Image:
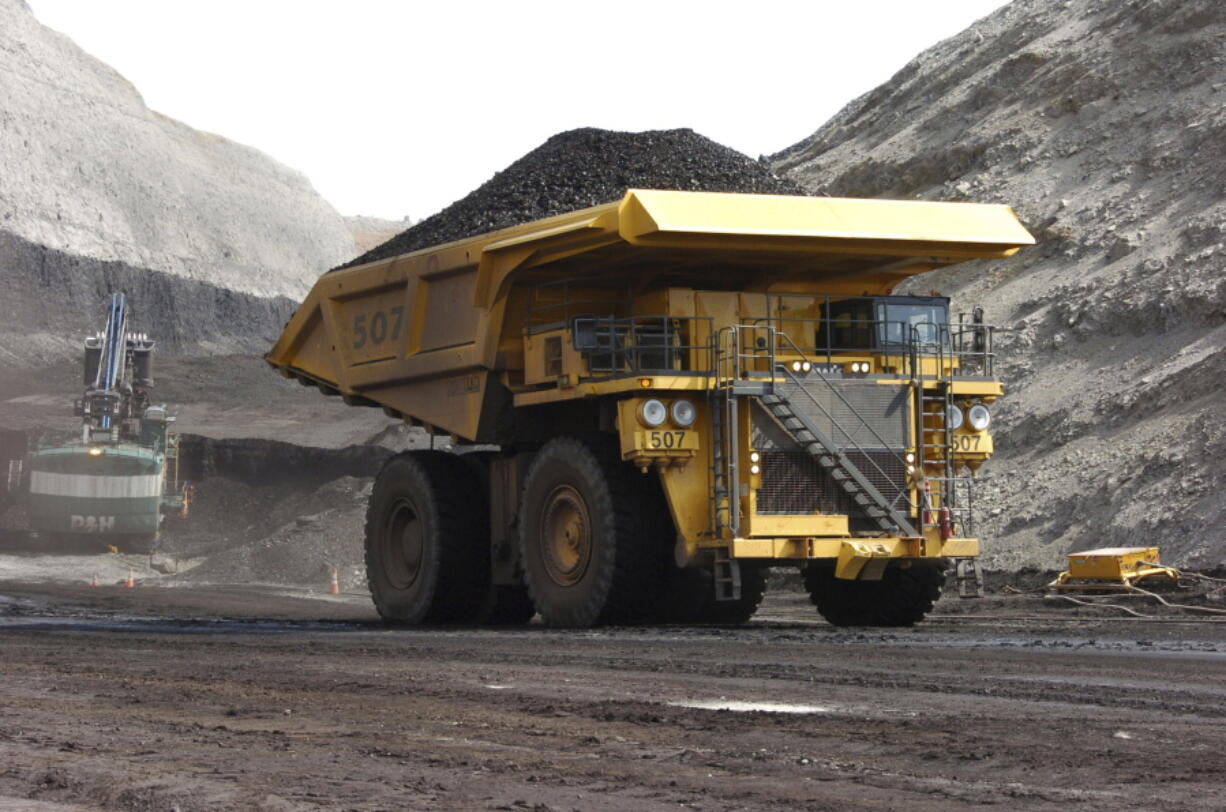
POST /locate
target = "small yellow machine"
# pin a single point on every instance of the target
(1111, 568)
(654, 400)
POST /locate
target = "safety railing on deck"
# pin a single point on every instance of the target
(745, 351)
(634, 345)
(966, 347)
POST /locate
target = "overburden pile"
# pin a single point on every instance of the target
(587, 167)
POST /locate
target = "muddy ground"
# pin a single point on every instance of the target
(189, 692)
(205, 698)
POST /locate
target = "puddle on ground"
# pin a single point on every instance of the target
(746, 707)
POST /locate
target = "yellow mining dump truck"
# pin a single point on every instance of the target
(652, 401)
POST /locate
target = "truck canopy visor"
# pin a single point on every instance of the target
(755, 241)
(837, 225)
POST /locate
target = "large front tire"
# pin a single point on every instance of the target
(690, 597)
(588, 555)
(902, 597)
(427, 540)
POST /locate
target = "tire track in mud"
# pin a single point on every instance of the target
(246, 711)
(1095, 684)
(570, 719)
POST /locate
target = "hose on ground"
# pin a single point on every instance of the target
(1095, 604)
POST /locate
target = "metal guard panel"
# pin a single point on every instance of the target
(867, 414)
(869, 424)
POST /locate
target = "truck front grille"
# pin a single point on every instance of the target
(868, 415)
(853, 412)
(793, 482)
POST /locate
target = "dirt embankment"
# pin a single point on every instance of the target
(214, 240)
(92, 171)
(50, 300)
(1102, 123)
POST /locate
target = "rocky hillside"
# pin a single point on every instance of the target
(98, 191)
(1104, 124)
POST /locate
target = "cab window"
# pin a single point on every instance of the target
(847, 325)
(902, 322)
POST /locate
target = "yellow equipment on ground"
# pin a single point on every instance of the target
(1111, 568)
(654, 400)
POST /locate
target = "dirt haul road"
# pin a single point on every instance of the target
(199, 698)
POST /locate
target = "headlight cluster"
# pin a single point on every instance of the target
(683, 413)
(861, 366)
(653, 413)
(801, 366)
(977, 416)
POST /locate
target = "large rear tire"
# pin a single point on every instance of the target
(427, 540)
(588, 556)
(902, 597)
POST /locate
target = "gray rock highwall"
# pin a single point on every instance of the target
(1103, 123)
(87, 169)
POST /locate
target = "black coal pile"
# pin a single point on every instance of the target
(587, 167)
(267, 462)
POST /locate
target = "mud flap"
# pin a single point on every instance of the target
(969, 578)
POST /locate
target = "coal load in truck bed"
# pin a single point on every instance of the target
(587, 167)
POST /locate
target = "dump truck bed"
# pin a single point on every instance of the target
(420, 334)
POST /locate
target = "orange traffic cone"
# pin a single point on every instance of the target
(130, 582)
(334, 587)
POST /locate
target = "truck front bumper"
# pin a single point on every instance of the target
(853, 557)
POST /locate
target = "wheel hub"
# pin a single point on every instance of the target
(567, 529)
(405, 547)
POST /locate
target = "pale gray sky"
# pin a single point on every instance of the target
(397, 108)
